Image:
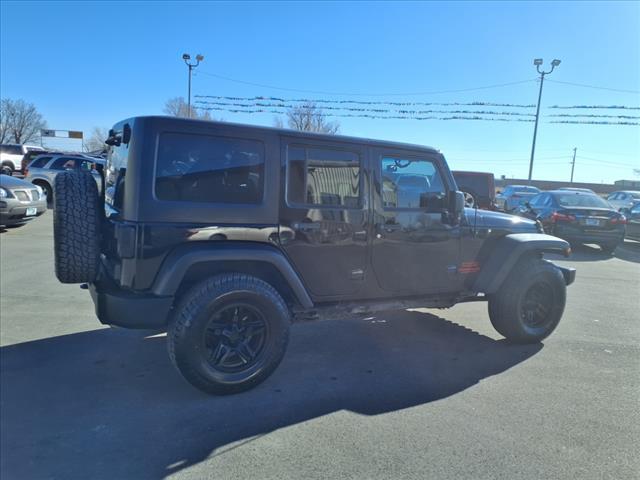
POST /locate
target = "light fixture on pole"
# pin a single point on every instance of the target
(186, 57)
(537, 62)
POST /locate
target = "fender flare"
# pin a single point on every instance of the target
(178, 262)
(506, 253)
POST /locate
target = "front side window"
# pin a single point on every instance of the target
(323, 177)
(409, 183)
(11, 149)
(203, 168)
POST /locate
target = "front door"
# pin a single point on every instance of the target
(415, 249)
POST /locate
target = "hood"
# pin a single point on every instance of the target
(7, 181)
(500, 221)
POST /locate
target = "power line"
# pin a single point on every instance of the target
(595, 87)
(321, 92)
(282, 111)
(618, 107)
(607, 161)
(358, 109)
(360, 102)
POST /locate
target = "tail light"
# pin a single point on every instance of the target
(561, 217)
(621, 220)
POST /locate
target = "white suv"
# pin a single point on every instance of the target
(11, 156)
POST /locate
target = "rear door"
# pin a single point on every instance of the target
(324, 219)
(414, 250)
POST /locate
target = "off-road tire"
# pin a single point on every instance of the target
(188, 330)
(507, 307)
(77, 218)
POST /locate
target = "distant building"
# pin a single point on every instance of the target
(627, 184)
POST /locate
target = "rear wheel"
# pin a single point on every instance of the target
(530, 302)
(229, 333)
(6, 169)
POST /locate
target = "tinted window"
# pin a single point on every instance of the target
(635, 195)
(407, 182)
(326, 177)
(39, 162)
(64, 163)
(578, 200)
(11, 149)
(479, 184)
(202, 168)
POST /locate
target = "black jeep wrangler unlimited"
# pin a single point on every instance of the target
(223, 234)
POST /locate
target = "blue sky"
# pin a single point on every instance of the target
(87, 64)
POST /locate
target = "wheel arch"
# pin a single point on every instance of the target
(188, 265)
(511, 249)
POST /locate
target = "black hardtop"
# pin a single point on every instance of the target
(163, 121)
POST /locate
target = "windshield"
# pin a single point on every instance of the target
(577, 200)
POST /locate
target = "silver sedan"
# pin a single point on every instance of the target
(20, 201)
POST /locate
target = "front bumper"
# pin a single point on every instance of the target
(14, 212)
(568, 273)
(115, 306)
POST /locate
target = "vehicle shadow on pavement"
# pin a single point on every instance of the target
(108, 404)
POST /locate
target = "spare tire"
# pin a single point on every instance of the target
(77, 218)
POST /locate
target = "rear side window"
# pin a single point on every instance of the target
(39, 162)
(323, 177)
(203, 168)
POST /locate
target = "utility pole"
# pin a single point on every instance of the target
(186, 57)
(537, 62)
(573, 163)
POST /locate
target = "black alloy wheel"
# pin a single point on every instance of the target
(235, 337)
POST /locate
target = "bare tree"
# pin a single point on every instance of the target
(20, 121)
(97, 138)
(178, 107)
(309, 118)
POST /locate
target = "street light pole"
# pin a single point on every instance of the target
(186, 57)
(537, 62)
(573, 163)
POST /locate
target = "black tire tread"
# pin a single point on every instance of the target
(191, 305)
(76, 227)
(503, 311)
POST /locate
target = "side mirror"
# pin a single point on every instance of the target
(458, 206)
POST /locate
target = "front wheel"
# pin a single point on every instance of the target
(530, 303)
(229, 333)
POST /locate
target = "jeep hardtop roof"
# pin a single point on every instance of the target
(283, 131)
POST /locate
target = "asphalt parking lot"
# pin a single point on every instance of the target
(408, 394)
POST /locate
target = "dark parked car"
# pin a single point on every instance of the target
(633, 221)
(20, 201)
(515, 195)
(223, 234)
(577, 217)
(480, 188)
